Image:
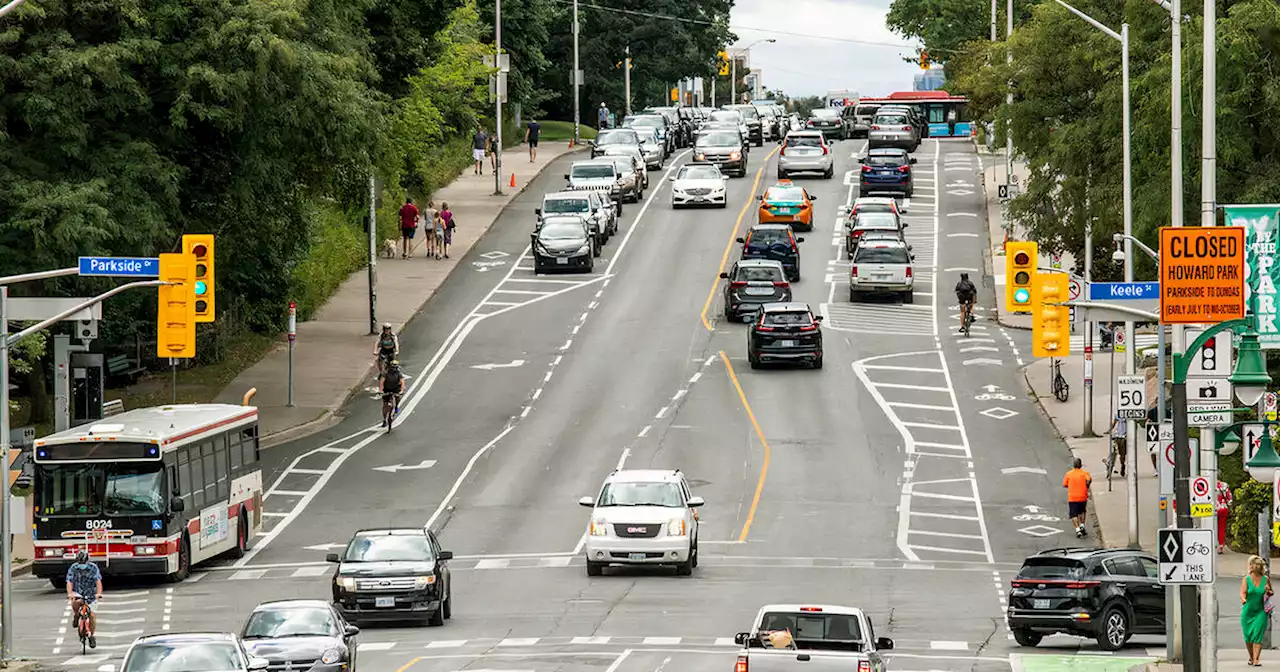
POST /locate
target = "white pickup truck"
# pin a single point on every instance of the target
(819, 638)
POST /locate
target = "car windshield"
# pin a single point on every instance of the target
(726, 115)
(804, 141)
(892, 120)
(876, 220)
(699, 173)
(631, 493)
(592, 170)
(647, 134)
(623, 164)
(882, 254)
(788, 319)
(866, 110)
(562, 231)
(747, 112)
(290, 622)
(555, 206)
(1051, 568)
(718, 140)
(758, 274)
(647, 121)
(889, 161)
(784, 195)
(388, 548)
(824, 114)
(813, 626)
(184, 657)
(95, 489)
(617, 136)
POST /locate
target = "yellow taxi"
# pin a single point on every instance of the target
(786, 203)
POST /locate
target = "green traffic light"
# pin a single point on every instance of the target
(201, 288)
(1021, 296)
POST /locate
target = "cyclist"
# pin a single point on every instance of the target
(84, 584)
(965, 294)
(386, 349)
(392, 389)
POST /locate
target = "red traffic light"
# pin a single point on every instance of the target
(199, 250)
(1022, 259)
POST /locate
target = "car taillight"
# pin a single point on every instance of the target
(781, 284)
(904, 169)
(741, 665)
(810, 327)
(908, 271)
(865, 169)
(853, 271)
(864, 666)
(738, 284)
(761, 327)
(812, 609)
(906, 128)
(874, 127)
(809, 123)
(826, 150)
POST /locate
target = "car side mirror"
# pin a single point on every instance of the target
(760, 198)
(905, 225)
(566, 176)
(332, 557)
(739, 240)
(862, 160)
(351, 631)
(533, 237)
(884, 643)
(176, 505)
(913, 257)
(445, 555)
(672, 178)
(741, 638)
(537, 211)
(812, 197)
(589, 502)
(844, 210)
(817, 318)
(910, 248)
(799, 240)
(724, 276)
(695, 502)
(915, 160)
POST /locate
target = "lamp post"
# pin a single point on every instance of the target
(733, 67)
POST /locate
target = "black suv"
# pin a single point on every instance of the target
(1105, 594)
(753, 283)
(776, 242)
(393, 574)
(785, 332)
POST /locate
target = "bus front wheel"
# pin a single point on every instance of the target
(184, 560)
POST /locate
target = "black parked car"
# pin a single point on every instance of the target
(776, 242)
(785, 332)
(1105, 594)
(564, 242)
(301, 635)
(753, 283)
(393, 574)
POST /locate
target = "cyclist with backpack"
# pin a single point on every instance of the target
(966, 294)
(392, 389)
(84, 585)
(386, 349)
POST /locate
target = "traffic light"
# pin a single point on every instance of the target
(723, 59)
(175, 313)
(200, 246)
(1050, 323)
(1020, 265)
(924, 60)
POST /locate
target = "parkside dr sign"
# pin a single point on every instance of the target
(1261, 224)
(1201, 274)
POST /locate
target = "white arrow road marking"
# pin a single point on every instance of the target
(510, 365)
(323, 547)
(393, 468)
(982, 361)
(1022, 470)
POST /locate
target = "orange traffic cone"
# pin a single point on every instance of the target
(570, 143)
(513, 180)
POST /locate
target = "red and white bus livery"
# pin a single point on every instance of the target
(148, 492)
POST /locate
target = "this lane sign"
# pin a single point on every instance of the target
(1132, 398)
(1153, 437)
(1186, 556)
(1201, 498)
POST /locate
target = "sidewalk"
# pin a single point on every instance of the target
(333, 358)
(1229, 660)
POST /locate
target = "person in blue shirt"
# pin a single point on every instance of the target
(84, 582)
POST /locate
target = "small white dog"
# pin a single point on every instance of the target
(389, 248)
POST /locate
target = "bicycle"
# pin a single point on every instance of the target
(390, 408)
(966, 317)
(1061, 390)
(81, 616)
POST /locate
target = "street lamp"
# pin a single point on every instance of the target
(1264, 464)
(1230, 441)
(1250, 377)
(733, 66)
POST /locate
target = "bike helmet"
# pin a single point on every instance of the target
(395, 364)
(82, 556)
(964, 276)
(386, 326)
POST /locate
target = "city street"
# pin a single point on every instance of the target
(909, 477)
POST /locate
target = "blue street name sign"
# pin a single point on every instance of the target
(138, 267)
(1121, 291)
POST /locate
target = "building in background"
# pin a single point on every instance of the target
(931, 80)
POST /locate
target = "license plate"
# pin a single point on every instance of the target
(700, 199)
(880, 276)
(760, 291)
(636, 556)
(385, 601)
(562, 260)
(786, 344)
(1040, 604)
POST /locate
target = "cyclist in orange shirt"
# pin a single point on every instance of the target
(1077, 482)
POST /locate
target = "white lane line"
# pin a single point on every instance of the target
(923, 407)
(583, 317)
(645, 431)
(581, 543)
(556, 361)
(453, 490)
(537, 393)
(547, 378)
(576, 327)
(309, 472)
(914, 369)
(938, 549)
(622, 460)
(923, 388)
(617, 662)
(661, 412)
(947, 516)
(693, 379)
(950, 535)
(525, 413)
(678, 394)
(567, 344)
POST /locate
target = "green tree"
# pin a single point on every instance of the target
(526, 26)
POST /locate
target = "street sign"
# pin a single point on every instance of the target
(1208, 390)
(1269, 403)
(1074, 288)
(1261, 223)
(1201, 274)
(1214, 358)
(1119, 340)
(1251, 439)
(1153, 437)
(1201, 498)
(1186, 556)
(1132, 391)
(40, 308)
(1123, 291)
(1003, 192)
(128, 267)
(1166, 458)
(1207, 418)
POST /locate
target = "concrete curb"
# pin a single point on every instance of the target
(330, 417)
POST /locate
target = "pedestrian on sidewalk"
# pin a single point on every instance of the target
(492, 151)
(1119, 431)
(531, 139)
(1077, 482)
(445, 230)
(1223, 509)
(408, 226)
(1255, 613)
(429, 218)
(478, 144)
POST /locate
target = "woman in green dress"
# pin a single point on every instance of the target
(1255, 589)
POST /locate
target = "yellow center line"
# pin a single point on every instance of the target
(724, 259)
(764, 468)
(409, 664)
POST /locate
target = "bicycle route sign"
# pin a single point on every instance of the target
(1186, 556)
(1132, 393)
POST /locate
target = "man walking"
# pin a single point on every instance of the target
(1077, 482)
(604, 118)
(408, 225)
(531, 139)
(1119, 430)
(479, 142)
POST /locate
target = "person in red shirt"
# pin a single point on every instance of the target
(408, 226)
(1077, 483)
(1223, 509)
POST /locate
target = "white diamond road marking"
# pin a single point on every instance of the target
(496, 254)
(1040, 531)
(999, 413)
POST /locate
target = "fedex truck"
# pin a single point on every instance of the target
(838, 99)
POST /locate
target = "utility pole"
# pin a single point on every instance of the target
(733, 79)
(1130, 345)
(993, 21)
(1008, 96)
(626, 80)
(1208, 217)
(577, 83)
(373, 255)
(498, 80)
(10, 7)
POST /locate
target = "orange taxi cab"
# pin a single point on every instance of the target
(786, 203)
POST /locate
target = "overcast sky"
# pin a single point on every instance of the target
(803, 65)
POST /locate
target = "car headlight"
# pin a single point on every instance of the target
(585, 249)
(599, 528)
(734, 156)
(347, 582)
(331, 656)
(676, 528)
(424, 581)
(699, 156)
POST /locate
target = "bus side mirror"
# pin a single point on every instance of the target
(176, 505)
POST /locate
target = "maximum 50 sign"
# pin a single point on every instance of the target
(1131, 392)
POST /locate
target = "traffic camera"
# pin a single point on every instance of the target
(1050, 323)
(175, 312)
(1021, 261)
(200, 246)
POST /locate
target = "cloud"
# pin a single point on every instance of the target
(802, 65)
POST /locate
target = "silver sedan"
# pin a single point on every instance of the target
(805, 152)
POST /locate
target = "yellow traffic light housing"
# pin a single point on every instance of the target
(175, 313)
(1050, 322)
(723, 59)
(200, 246)
(924, 60)
(1020, 263)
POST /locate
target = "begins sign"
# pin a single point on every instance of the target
(1201, 274)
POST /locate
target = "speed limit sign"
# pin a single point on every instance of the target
(1131, 392)
(1201, 498)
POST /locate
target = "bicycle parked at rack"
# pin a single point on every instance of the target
(1061, 390)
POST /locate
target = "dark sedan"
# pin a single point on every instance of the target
(785, 333)
(723, 148)
(753, 283)
(827, 121)
(564, 243)
(776, 242)
(393, 574)
(301, 635)
(887, 171)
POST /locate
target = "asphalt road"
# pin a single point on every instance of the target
(909, 477)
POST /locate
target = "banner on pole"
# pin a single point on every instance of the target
(1261, 224)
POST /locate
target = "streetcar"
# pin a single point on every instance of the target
(151, 491)
(934, 105)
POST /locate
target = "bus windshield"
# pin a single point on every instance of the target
(95, 489)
